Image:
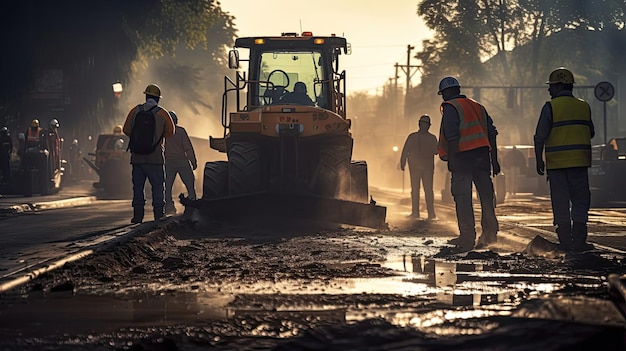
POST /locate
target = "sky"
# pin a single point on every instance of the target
(379, 35)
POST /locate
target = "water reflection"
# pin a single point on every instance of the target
(425, 293)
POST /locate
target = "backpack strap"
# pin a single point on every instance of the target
(154, 110)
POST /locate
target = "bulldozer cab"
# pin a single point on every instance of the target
(290, 70)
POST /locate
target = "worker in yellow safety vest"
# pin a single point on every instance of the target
(564, 130)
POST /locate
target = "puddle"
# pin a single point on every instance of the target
(443, 285)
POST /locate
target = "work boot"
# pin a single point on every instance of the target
(158, 213)
(462, 243)
(579, 238)
(188, 212)
(137, 215)
(485, 240)
(564, 232)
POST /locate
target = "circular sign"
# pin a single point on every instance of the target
(604, 91)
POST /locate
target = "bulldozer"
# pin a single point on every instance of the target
(111, 162)
(287, 138)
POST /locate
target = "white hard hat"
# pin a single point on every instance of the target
(448, 82)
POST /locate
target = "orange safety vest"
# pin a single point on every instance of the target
(472, 126)
(32, 135)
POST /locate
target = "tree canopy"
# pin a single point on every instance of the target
(94, 44)
(470, 32)
(518, 42)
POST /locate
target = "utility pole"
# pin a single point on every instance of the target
(409, 70)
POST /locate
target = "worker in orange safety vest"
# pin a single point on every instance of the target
(467, 141)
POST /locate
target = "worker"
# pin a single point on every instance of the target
(298, 96)
(467, 141)
(74, 155)
(565, 130)
(33, 135)
(420, 149)
(180, 158)
(6, 149)
(514, 164)
(148, 125)
(54, 144)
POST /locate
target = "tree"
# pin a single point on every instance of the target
(469, 32)
(95, 44)
(503, 42)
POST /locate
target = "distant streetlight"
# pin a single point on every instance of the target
(117, 89)
(395, 149)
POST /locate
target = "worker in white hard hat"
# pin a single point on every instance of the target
(467, 141)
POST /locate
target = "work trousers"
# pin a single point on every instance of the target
(570, 195)
(5, 168)
(425, 176)
(512, 180)
(183, 169)
(473, 167)
(155, 173)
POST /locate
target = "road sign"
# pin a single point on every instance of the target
(604, 91)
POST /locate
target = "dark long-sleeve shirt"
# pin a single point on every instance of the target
(419, 149)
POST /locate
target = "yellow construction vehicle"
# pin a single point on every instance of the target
(111, 162)
(287, 138)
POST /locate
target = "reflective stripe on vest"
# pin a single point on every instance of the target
(472, 126)
(33, 137)
(569, 142)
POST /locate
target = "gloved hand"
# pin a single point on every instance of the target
(495, 165)
(401, 166)
(450, 164)
(194, 166)
(541, 167)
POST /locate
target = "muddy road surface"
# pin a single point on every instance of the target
(310, 287)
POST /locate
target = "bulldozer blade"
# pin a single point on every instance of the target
(275, 207)
(92, 165)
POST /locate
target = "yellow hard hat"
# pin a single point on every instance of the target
(561, 75)
(34, 123)
(153, 90)
(117, 129)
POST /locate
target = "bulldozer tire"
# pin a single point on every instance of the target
(244, 168)
(215, 181)
(358, 181)
(332, 178)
